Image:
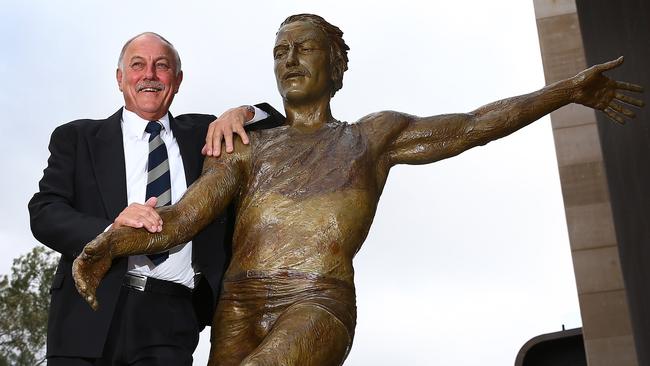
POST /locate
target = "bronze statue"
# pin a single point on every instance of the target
(306, 195)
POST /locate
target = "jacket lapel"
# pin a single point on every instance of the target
(107, 155)
(188, 140)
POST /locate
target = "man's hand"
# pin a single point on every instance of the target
(137, 216)
(222, 128)
(597, 91)
(91, 266)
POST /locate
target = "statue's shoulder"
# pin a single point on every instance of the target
(268, 133)
(261, 139)
(384, 118)
(383, 123)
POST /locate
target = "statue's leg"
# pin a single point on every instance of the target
(233, 336)
(306, 334)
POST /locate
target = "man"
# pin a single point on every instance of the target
(95, 168)
(306, 196)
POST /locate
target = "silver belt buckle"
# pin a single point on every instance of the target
(136, 282)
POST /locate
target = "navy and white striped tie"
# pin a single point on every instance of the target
(158, 178)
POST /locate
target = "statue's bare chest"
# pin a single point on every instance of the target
(297, 164)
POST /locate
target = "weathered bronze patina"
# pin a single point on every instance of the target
(306, 195)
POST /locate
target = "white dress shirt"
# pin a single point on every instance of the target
(178, 267)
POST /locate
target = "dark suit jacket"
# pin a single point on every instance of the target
(82, 190)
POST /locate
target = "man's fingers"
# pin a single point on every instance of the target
(620, 109)
(209, 145)
(133, 222)
(147, 215)
(151, 202)
(137, 216)
(629, 100)
(152, 227)
(228, 137)
(613, 116)
(216, 143)
(150, 224)
(629, 86)
(149, 219)
(242, 134)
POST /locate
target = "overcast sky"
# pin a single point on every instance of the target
(467, 258)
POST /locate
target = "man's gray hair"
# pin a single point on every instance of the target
(177, 57)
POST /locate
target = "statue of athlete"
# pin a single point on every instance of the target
(306, 194)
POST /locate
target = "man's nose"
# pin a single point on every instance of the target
(150, 71)
(292, 57)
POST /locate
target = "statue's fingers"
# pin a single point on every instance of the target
(76, 271)
(80, 284)
(81, 287)
(94, 303)
(83, 290)
(90, 299)
(629, 100)
(613, 116)
(620, 109)
(88, 294)
(610, 65)
(629, 86)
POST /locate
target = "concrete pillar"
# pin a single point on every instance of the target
(601, 290)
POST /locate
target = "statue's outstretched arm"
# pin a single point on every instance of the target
(200, 204)
(423, 140)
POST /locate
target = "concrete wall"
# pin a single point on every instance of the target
(610, 29)
(595, 246)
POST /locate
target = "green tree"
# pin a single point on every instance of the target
(24, 300)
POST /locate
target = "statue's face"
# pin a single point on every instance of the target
(302, 62)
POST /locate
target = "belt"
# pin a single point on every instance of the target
(150, 284)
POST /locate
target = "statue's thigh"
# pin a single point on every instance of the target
(233, 337)
(304, 335)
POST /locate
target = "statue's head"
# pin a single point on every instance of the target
(310, 57)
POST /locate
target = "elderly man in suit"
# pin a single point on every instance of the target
(111, 173)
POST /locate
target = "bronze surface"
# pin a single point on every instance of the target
(306, 195)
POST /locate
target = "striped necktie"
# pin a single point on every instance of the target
(158, 178)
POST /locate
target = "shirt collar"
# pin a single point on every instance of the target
(133, 125)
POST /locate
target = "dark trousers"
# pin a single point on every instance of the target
(147, 329)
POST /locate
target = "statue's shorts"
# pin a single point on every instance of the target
(252, 301)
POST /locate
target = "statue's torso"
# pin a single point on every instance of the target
(308, 201)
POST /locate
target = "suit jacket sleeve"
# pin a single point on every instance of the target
(274, 119)
(54, 219)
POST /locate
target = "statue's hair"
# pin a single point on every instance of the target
(338, 48)
(177, 57)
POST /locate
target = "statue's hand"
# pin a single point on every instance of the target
(597, 91)
(91, 266)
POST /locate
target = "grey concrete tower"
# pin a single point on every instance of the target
(605, 174)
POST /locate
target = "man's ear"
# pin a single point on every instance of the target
(118, 76)
(179, 79)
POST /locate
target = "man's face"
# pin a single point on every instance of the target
(302, 62)
(148, 78)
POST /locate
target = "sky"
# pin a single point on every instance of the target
(467, 258)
